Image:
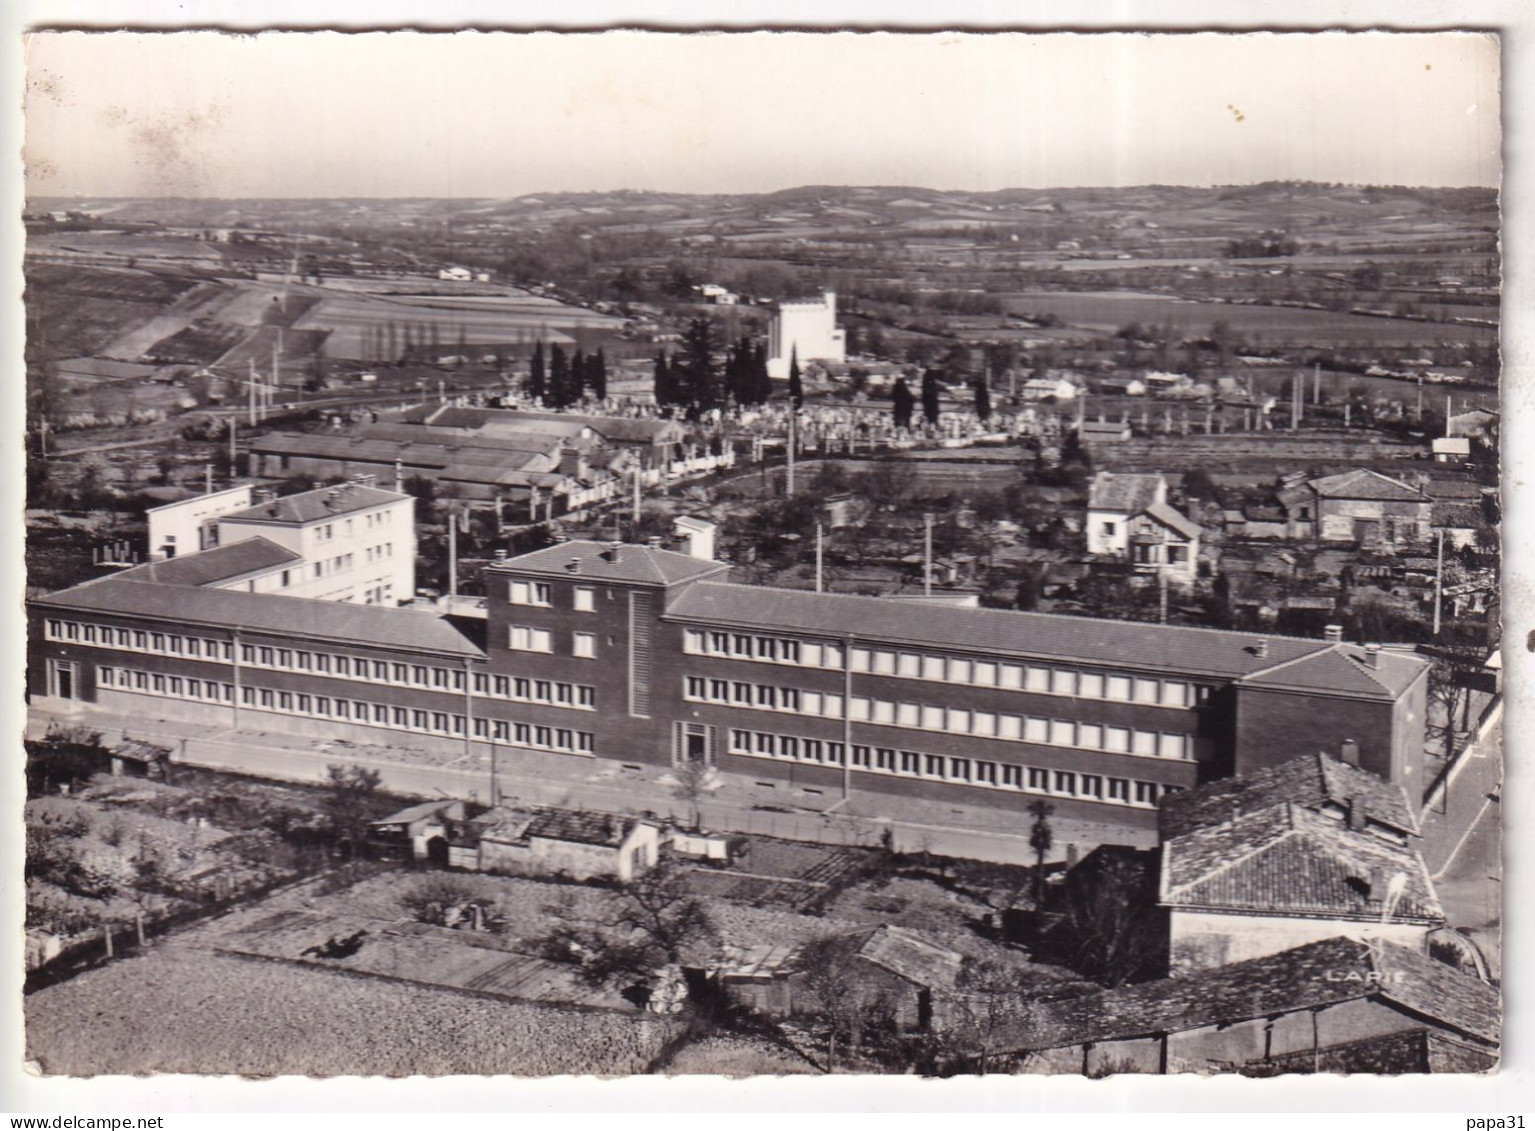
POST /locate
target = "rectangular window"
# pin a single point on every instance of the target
(1090, 735)
(812, 703)
(743, 646)
(957, 721)
(719, 643)
(908, 715)
(833, 706)
(1011, 676)
(481, 728)
(1038, 680)
(1092, 786)
(767, 648)
(884, 663)
(1145, 793)
(692, 641)
(719, 691)
(986, 773)
(1012, 776)
(439, 721)
(789, 698)
(1175, 693)
(1063, 732)
(322, 705)
(500, 730)
(1039, 780)
(834, 658)
(984, 724)
(909, 664)
(502, 686)
(1172, 746)
(814, 750)
(788, 747)
(884, 758)
(1145, 742)
(764, 743)
(911, 762)
(380, 671)
(543, 736)
(767, 696)
(522, 733)
(934, 767)
(1036, 730)
(1063, 683)
(523, 688)
(174, 685)
(141, 642)
(540, 640)
(1118, 688)
(741, 741)
(812, 655)
(401, 673)
(1090, 685)
(788, 651)
(481, 683)
(932, 718)
(343, 665)
(585, 602)
(884, 712)
(860, 709)
(1065, 782)
(959, 769)
(1147, 690)
(1009, 726)
(1116, 739)
(933, 667)
(961, 671)
(542, 690)
(586, 696)
(985, 673)
(696, 687)
(742, 693)
(158, 641)
(90, 635)
(1119, 789)
(584, 645)
(586, 742)
(861, 659)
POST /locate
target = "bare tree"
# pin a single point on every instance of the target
(990, 1000)
(1041, 840)
(693, 780)
(842, 992)
(350, 801)
(1119, 932)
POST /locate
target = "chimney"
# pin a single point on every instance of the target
(574, 565)
(500, 555)
(1261, 648)
(1372, 655)
(611, 553)
(1358, 814)
(654, 541)
(1348, 753)
(1377, 888)
(1333, 634)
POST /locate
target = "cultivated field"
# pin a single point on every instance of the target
(358, 322)
(1275, 325)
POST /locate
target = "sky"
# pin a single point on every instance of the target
(325, 114)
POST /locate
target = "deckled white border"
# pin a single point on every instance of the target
(1509, 1091)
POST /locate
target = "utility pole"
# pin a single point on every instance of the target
(234, 426)
(635, 514)
(399, 476)
(1438, 582)
(819, 572)
(927, 554)
(207, 479)
(789, 480)
(1162, 592)
(1316, 383)
(452, 556)
(250, 390)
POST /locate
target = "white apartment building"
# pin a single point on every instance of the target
(1128, 516)
(806, 328)
(353, 542)
(191, 525)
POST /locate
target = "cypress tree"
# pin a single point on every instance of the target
(536, 377)
(902, 403)
(559, 377)
(796, 384)
(982, 400)
(930, 396)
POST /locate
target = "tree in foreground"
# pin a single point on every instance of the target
(930, 405)
(796, 382)
(842, 993)
(1041, 840)
(902, 403)
(982, 401)
(351, 802)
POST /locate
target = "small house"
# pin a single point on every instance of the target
(564, 842)
(1091, 432)
(420, 832)
(135, 758)
(1048, 389)
(1452, 450)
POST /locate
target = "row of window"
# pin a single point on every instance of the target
(524, 638)
(950, 720)
(442, 723)
(518, 689)
(948, 669)
(768, 649)
(540, 595)
(945, 767)
(333, 565)
(379, 553)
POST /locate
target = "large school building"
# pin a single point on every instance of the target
(639, 654)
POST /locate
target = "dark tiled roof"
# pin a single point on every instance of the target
(1344, 669)
(539, 443)
(1128, 494)
(318, 505)
(1318, 974)
(1362, 483)
(222, 563)
(632, 563)
(603, 829)
(1466, 516)
(1452, 489)
(1176, 650)
(1312, 781)
(1286, 860)
(911, 957)
(1171, 516)
(299, 617)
